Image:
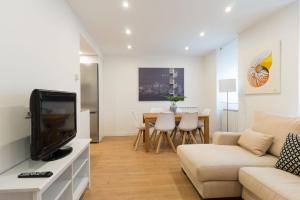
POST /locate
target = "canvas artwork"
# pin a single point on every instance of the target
(157, 83)
(263, 71)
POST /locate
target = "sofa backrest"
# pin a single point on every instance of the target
(278, 126)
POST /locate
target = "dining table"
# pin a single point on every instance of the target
(150, 118)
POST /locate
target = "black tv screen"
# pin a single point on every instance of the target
(53, 120)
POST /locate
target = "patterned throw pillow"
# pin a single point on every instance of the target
(289, 159)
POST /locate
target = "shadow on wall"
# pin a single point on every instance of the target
(14, 153)
(14, 136)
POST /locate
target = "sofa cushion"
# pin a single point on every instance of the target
(277, 126)
(209, 162)
(226, 138)
(289, 159)
(270, 183)
(257, 143)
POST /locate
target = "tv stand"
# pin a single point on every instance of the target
(60, 153)
(71, 176)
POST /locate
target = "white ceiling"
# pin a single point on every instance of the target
(165, 27)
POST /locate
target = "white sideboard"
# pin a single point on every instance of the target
(71, 176)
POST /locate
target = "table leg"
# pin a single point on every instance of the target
(147, 129)
(206, 130)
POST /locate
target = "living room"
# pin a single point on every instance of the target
(122, 69)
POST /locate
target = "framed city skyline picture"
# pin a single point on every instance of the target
(157, 83)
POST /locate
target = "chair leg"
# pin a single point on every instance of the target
(194, 133)
(174, 139)
(193, 138)
(165, 139)
(154, 138)
(143, 133)
(174, 134)
(181, 135)
(153, 135)
(159, 142)
(170, 142)
(184, 137)
(137, 141)
(134, 143)
(188, 138)
(201, 135)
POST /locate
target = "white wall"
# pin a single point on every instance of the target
(121, 88)
(210, 89)
(284, 26)
(39, 49)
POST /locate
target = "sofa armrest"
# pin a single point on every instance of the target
(226, 138)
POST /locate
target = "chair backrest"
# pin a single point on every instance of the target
(157, 110)
(165, 121)
(135, 120)
(206, 111)
(187, 109)
(189, 121)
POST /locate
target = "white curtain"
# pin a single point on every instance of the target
(227, 68)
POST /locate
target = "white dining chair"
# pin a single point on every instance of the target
(164, 124)
(188, 126)
(140, 126)
(200, 127)
(152, 124)
(184, 109)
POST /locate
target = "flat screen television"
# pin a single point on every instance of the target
(53, 123)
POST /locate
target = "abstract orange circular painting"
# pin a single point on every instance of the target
(259, 70)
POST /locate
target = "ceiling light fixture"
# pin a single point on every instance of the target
(128, 31)
(202, 34)
(187, 48)
(129, 47)
(228, 9)
(125, 4)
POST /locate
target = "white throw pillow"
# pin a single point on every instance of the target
(256, 142)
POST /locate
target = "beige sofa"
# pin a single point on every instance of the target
(225, 169)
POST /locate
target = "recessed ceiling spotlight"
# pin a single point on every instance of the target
(129, 47)
(125, 4)
(128, 31)
(228, 9)
(187, 48)
(202, 34)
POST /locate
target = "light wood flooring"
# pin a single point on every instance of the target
(119, 173)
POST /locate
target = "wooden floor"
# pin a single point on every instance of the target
(119, 173)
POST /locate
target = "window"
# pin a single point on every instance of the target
(227, 68)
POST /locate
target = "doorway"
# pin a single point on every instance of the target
(89, 87)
